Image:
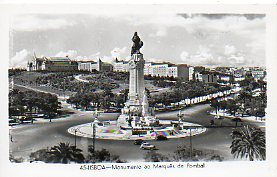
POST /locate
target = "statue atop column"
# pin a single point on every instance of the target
(136, 110)
(137, 44)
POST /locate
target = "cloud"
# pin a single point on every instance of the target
(20, 59)
(238, 24)
(117, 52)
(35, 23)
(155, 60)
(94, 57)
(236, 60)
(69, 53)
(204, 56)
(184, 56)
(229, 50)
(107, 59)
(196, 39)
(220, 16)
(161, 32)
(73, 54)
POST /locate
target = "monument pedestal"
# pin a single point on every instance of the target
(136, 111)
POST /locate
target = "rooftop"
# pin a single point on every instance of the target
(59, 59)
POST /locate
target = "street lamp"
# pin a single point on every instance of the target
(93, 137)
(64, 88)
(75, 136)
(190, 139)
(190, 143)
(180, 116)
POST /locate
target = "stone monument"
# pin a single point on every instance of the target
(136, 114)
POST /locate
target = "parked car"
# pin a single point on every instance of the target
(147, 146)
(138, 142)
(161, 138)
(217, 117)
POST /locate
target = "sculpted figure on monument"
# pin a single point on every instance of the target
(137, 44)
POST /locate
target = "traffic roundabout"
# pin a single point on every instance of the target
(110, 130)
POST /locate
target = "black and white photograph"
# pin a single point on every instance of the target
(127, 84)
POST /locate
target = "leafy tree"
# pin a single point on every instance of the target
(119, 100)
(33, 102)
(40, 155)
(216, 158)
(215, 104)
(153, 156)
(263, 98)
(232, 107)
(260, 113)
(102, 155)
(183, 154)
(243, 96)
(223, 104)
(248, 142)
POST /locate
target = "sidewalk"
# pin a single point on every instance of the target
(248, 118)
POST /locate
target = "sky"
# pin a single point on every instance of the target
(195, 39)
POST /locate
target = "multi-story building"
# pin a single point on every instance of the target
(159, 69)
(239, 72)
(197, 76)
(199, 69)
(172, 71)
(52, 64)
(167, 70)
(257, 72)
(90, 65)
(191, 72)
(206, 77)
(209, 77)
(60, 64)
(37, 63)
(148, 68)
(120, 66)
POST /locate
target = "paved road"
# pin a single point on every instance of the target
(32, 137)
(41, 134)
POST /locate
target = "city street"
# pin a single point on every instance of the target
(32, 137)
(44, 134)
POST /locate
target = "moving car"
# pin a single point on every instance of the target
(147, 146)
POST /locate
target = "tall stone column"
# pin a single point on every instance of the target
(136, 110)
(136, 81)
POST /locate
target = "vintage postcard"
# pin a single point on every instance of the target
(138, 89)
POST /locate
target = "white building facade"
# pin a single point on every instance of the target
(120, 66)
(90, 65)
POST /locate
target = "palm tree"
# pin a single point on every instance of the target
(248, 142)
(64, 153)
